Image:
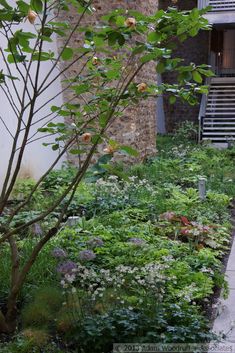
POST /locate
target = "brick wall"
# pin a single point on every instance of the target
(138, 125)
(195, 50)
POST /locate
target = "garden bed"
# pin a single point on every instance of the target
(142, 264)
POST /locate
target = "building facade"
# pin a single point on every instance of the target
(215, 112)
(137, 127)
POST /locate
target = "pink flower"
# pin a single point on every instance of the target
(167, 216)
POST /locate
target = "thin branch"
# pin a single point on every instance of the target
(40, 138)
(10, 73)
(11, 99)
(79, 174)
(66, 69)
(16, 66)
(25, 202)
(65, 45)
(8, 189)
(59, 93)
(6, 127)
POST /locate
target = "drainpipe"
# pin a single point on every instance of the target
(161, 121)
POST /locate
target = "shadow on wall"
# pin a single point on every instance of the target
(37, 157)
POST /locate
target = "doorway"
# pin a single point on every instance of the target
(222, 54)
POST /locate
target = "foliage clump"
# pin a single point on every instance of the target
(123, 275)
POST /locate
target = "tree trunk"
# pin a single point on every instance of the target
(3, 324)
(11, 315)
(8, 322)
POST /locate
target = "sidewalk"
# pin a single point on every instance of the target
(225, 322)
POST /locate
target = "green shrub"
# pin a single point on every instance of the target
(155, 248)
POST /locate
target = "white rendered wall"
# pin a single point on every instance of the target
(37, 158)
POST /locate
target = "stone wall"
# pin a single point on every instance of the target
(138, 125)
(195, 50)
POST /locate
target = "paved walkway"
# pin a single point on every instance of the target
(225, 321)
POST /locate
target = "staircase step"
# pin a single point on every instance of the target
(219, 119)
(228, 98)
(222, 80)
(217, 139)
(222, 119)
(219, 133)
(219, 113)
(213, 91)
(225, 114)
(221, 86)
(225, 91)
(218, 103)
(215, 94)
(219, 124)
(224, 99)
(221, 128)
(220, 108)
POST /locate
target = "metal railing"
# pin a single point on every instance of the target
(217, 5)
(202, 111)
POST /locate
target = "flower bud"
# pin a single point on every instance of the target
(130, 22)
(109, 149)
(142, 87)
(86, 137)
(95, 60)
(32, 16)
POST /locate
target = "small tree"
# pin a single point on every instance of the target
(110, 58)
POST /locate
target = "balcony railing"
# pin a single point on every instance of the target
(217, 5)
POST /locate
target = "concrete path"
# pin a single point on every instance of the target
(225, 321)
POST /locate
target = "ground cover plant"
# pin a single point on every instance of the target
(142, 262)
(109, 58)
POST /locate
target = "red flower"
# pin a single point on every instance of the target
(185, 221)
(185, 231)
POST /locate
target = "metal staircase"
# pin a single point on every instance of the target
(217, 113)
(217, 5)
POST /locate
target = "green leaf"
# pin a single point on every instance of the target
(207, 73)
(160, 68)
(81, 88)
(193, 32)
(197, 77)
(154, 37)
(172, 99)
(113, 74)
(16, 58)
(42, 56)
(129, 150)
(67, 53)
(54, 108)
(139, 49)
(116, 37)
(120, 21)
(148, 57)
(99, 41)
(5, 4)
(55, 147)
(46, 39)
(121, 40)
(115, 171)
(75, 151)
(37, 5)
(23, 6)
(103, 118)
